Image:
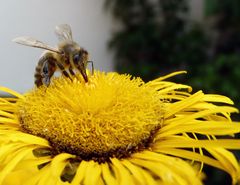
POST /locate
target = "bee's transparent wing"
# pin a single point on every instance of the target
(63, 32)
(29, 41)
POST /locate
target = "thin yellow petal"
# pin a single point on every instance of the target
(10, 126)
(11, 99)
(93, 172)
(6, 150)
(178, 142)
(19, 177)
(167, 175)
(191, 156)
(176, 86)
(108, 175)
(37, 177)
(58, 164)
(177, 166)
(148, 177)
(11, 165)
(122, 174)
(31, 163)
(217, 98)
(176, 107)
(136, 172)
(8, 107)
(14, 93)
(8, 120)
(171, 123)
(169, 76)
(80, 174)
(28, 139)
(7, 114)
(205, 128)
(227, 160)
(47, 179)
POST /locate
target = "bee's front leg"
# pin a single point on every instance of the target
(61, 67)
(71, 71)
(92, 67)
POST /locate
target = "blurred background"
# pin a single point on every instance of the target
(155, 37)
(160, 36)
(146, 38)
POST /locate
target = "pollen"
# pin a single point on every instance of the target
(110, 116)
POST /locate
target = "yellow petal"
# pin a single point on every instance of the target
(14, 93)
(11, 165)
(227, 160)
(176, 107)
(205, 128)
(169, 76)
(136, 172)
(7, 114)
(181, 142)
(148, 177)
(19, 177)
(176, 165)
(27, 138)
(31, 163)
(123, 176)
(93, 172)
(80, 174)
(191, 156)
(217, 98)
(8, 120)
(58, 163)
(161, 171)
(108, 175)
(38, 176)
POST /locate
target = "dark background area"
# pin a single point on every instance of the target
(157, 37)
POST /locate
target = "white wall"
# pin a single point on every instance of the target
(91, 28)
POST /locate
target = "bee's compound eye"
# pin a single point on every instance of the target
(76, 58)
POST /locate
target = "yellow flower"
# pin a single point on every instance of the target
(113, 130)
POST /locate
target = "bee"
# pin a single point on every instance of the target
(68, 57)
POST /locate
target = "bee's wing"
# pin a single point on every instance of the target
(29, 41)
(63, 32)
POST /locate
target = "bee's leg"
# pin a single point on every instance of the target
(44, 70)
(92, 67)
(46, 73)
(61, 67)
(71, 71)
(82, 70)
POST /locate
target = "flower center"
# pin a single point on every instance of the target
(110, 116)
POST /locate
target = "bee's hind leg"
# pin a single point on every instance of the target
(44, 71)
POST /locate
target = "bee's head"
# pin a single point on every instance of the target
(77, 56)
(79, 61)
(80, 56)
